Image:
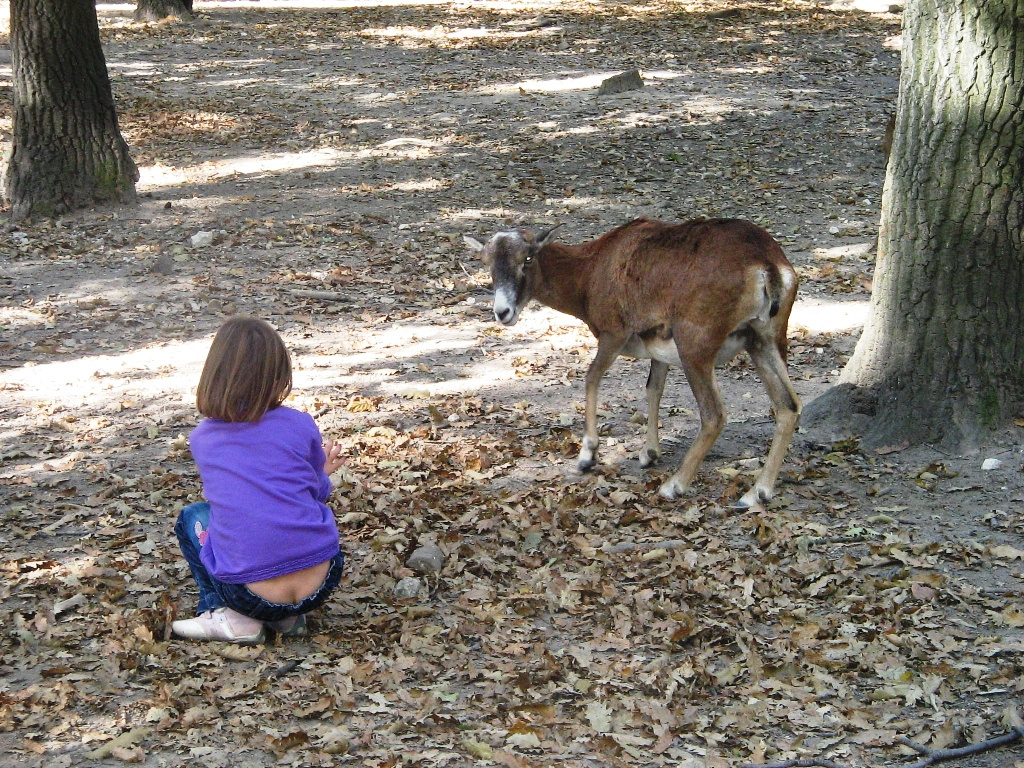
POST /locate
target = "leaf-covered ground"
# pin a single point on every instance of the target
(578, 621)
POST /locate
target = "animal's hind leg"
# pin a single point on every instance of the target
(608, 347)
(701, 375)
(655, 388)
(772, 369)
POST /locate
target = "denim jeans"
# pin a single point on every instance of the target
(191, 528)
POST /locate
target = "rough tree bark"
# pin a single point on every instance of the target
(67, 150)
(941, 358)
(155, 10)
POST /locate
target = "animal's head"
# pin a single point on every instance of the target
(512, 258)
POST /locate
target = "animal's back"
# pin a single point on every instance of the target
(653, 272)
(699, 242)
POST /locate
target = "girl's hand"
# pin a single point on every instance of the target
(334, 458)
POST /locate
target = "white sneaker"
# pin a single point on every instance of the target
(221, 624)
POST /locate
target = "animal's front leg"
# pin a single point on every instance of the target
(608, 347)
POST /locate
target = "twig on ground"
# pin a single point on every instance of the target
(630, 546)
(827, 540)
(301, 293)
(281, 671)
(801, 763)
(126, 739)
(931, 756)
(986, 592)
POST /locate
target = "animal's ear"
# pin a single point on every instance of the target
(477, 247)
(544, 238)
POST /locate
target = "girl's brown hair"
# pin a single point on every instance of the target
(247, 373)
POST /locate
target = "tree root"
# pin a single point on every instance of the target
(931, 756)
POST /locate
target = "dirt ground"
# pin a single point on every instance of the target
(344, 148)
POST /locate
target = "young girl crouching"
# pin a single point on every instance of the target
(264, 547)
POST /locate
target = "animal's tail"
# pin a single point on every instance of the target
(773, 289)
(779, 289)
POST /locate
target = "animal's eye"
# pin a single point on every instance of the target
(528, 259)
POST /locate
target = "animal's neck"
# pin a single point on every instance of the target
(562, 276)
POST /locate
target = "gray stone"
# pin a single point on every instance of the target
(201, 239)
(427, 558)
(624, 81)
(163, 265)
(532, 541)
(408, 588)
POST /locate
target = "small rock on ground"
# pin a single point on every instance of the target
(624, 81)
(427, 558)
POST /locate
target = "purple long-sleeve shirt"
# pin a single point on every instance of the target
(266, 486)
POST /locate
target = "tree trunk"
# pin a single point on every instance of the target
(67, 150)
(941, 358)
(155, 10)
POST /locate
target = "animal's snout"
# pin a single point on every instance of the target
(505, 306)
(504, 315)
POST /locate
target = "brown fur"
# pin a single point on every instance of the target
(650, 274)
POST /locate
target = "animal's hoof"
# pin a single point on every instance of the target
(671, 490)
(647, 458)
(755, 497)
(585, 465)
